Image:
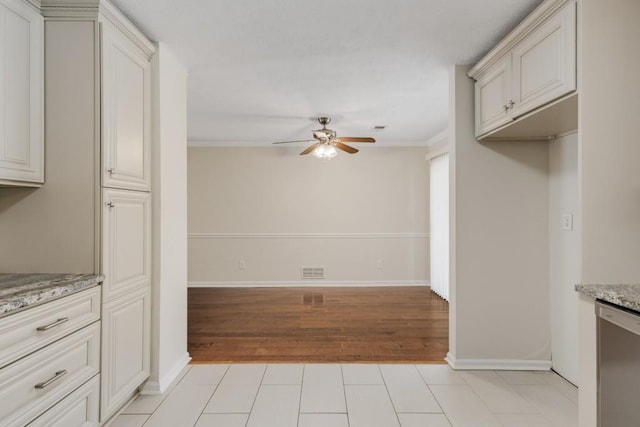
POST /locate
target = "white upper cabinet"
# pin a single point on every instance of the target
(544, 63)
(21, 94)
(533, 66)
(126, 112)
(492, 98)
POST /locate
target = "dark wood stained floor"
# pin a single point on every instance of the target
(317, 325)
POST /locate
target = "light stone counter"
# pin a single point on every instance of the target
(21, 291)
(627, 296)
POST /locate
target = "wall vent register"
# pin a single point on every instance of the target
(313, 272)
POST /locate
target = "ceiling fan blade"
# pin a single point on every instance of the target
(353, 139)
(290, 142)
(345, 147)
(311, 148)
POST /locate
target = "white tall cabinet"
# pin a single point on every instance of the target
(21, 94)
(119, 64)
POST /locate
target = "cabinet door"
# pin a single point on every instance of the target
(126, 113)
(126, 328)
(544, 63)
(21, 93)
(126, 241)
(492, 97)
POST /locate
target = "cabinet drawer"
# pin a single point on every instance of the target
(33, 384)
(79, 409)
(25, 332)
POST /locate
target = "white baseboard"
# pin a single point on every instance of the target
(159, 387)
(320, 283)
(498, 364)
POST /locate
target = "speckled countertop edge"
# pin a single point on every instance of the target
(19, 292)
(627, 296)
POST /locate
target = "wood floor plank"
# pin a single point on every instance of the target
(317, 325)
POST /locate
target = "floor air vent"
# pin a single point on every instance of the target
(313, 272)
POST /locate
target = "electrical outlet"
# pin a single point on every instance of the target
(242, 264)
(567, 222)
(380, 264)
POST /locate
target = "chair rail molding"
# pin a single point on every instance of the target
(250, 236)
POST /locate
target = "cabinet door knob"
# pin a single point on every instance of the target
(111, 171)
(511, 103)
(111, 205)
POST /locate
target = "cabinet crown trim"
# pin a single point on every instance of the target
(536, 18)
(98, 10)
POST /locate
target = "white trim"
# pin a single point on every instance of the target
(96, 9)
(438, 137)
(297, 283)
(167, 380)
(498, 364)
(436, 153)
(308, 235)
(535, 19)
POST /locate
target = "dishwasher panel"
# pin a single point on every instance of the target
(618, 367)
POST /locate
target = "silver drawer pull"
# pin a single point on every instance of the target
(53, 379)
(52, 325)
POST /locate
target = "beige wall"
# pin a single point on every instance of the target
(609, 117)
(500, 243)
(564, 255)
(53, 228)
(278, 211)
(609, 153)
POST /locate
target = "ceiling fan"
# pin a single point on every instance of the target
(325, 141)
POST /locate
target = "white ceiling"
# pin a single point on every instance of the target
(261, 70)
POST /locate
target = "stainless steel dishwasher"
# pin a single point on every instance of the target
(618, 366)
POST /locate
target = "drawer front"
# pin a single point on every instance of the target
(27, 331)
(79, 409)
(35, 383)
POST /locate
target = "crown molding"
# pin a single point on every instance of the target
(536, 18)
(34, 3)
(100, 10)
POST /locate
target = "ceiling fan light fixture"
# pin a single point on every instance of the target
(324, 151)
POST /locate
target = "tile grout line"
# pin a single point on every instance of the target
(393, 405)
(344, 391)
(212, 393)
(301, 386)
(169, 391)
(266, 365)
(424, 380)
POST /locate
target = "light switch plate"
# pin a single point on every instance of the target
(567, 222)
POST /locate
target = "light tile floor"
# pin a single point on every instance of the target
(290, 395)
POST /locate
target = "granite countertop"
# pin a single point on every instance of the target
(627, 296)
(21, 291)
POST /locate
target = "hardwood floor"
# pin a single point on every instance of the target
(317, 325)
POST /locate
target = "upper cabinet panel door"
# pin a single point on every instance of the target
(126, 113)
(544, 63)
(21, 93)
(126, 241)
(492, 98)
